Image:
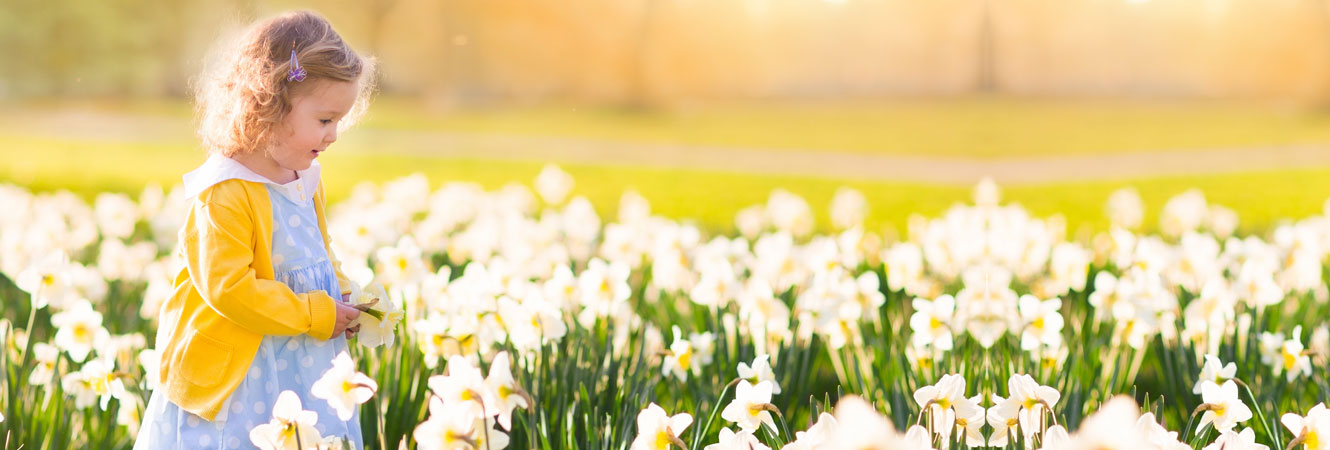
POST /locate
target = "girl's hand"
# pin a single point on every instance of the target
(345, 314)
(346, 298)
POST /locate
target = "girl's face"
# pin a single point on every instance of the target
(311, 125)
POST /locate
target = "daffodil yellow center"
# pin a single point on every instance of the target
(662, 439)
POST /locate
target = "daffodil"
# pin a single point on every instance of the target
(96, 380)
(656, 430)
(679, 358)
(751, 406)
(759, 372)
(932, 321)
(1042, 322)
(463, 388)
(1311, 430)
(79, 330)
(1223, 409)
(291, 427)
(343, 387)
(378, 323)
(945, 402)
(450, 428)
(45, 356)
(1027, 405)
(48, 281)
(1232, 440)
(505, 391)
(1213, 372)
(817, 436)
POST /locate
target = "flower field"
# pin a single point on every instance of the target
(521, 318)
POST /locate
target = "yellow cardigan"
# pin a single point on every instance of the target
(226, 298)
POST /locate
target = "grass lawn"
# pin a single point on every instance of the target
(89, 167)
(971, 127)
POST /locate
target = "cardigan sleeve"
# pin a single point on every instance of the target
(320, 210)
(219, 252)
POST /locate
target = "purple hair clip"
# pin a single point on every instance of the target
(296, 73)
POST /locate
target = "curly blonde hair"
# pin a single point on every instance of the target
(243, 94)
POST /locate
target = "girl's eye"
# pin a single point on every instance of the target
(325, 121)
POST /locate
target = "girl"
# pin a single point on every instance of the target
(256, 308)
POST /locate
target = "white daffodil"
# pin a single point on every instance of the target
(848, 208)
(988, 305)
(97, 379)
(817, 436)
(48, 281)
(1231, 440)
(1125, 208)
(704, 349)
(1056, 438)
(1042, 322)
(759, 372)
(130, 414)
(1157, 435)
(1068, 269)
(1214, 373)
(46, 356)
(1222, 407)
(1110, 428)
(679, 358)
(151, 361)
(1293, 360)
(505, 391)
(932, 320)
(333, 443)
(1005, 426)
(463, 388)
(944, 402)
(1110, 298)
(742, 440)
(602, 288)
(343, 387)
(905, 268)
(970, 421)
(1256, 285)
(378, 323)
(292, 426)
(657, 430)
(859, 426)
(400, 265)
(116, 215)
(553, 184)
(751, 406)
(79, 329)
(1310, 430)
(1028, 404)
(451, 428)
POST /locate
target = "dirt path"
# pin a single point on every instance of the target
(819, 163)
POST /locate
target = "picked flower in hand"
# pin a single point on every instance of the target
(378, 323)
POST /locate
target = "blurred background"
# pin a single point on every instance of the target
(706, 106)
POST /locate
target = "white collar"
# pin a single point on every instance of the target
(219, 168)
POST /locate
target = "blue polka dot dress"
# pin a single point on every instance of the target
(282, 363)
